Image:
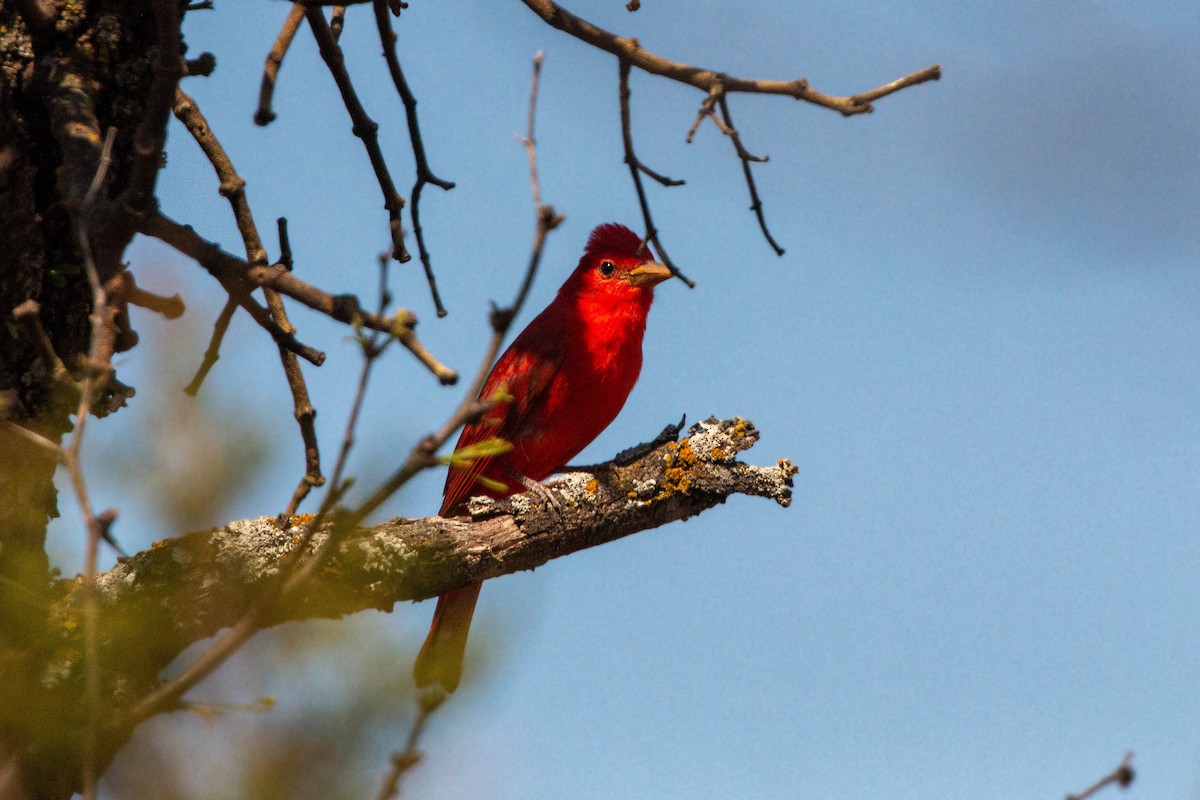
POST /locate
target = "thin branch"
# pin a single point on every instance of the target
(233, 187)
(364, 127)
(705, 112)
(213, 353)
(755, 203)
(98, 374)
(29, 314)
(200, 67)
(706, 79)
(170, 307)
(264, 115)
(387, 37)
(337, 22)
(542, 213)
(36, 438)
(302, 407)
(231, 270)
(636, 168)
(1122, 776)
(410, 756)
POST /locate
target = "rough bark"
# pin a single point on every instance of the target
(184, 589)
(68, 72)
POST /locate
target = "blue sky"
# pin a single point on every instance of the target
(982, 350)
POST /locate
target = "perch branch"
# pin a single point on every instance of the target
(158, 602)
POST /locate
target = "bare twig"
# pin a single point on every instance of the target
(264, 115)
(410, 756)
(200, 67)
(99, 372)
(387, 38)
(303, 408)
(1121, 776)
(183, 237)
(705, 112)
(285, 245)
(705, 79)
(755, 203)
(29, 314)
(213, 353)
(364, 127)
(233, 187)
(541, 212)
(170, 307)
(337, 22)
(231, 270)
(34, 437)
(716, 85)
(636, 168)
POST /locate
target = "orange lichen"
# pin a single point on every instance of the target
(680, 461)
(718, 454)
(592, 486)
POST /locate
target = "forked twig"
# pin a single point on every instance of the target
(755, 203)
(636, 168)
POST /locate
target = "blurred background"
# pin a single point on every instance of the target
(982, 349)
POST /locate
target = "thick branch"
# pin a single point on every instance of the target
(182, 590)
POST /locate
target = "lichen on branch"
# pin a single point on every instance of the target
(157, 602)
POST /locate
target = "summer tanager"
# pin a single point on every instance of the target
(561, 382)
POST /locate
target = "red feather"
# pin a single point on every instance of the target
(567, 376)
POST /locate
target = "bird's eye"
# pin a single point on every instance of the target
(607, 268)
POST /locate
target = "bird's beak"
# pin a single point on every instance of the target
(648, 274)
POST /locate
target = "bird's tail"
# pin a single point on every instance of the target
(441, 657)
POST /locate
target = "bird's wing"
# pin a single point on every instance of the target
(522, 373)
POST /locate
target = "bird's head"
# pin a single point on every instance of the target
(618, 265)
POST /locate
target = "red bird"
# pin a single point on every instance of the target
(566, 376)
